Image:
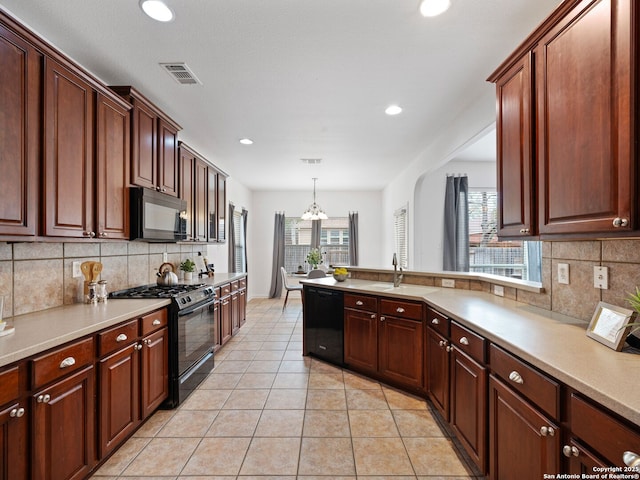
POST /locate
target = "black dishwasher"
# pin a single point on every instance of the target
(324, 324)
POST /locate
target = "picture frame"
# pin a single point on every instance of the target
(607, 325)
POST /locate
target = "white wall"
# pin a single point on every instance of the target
(265, 204)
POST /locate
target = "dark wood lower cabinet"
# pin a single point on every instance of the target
(523, 443)
(14, 459)
(155, 371)
(437, 371)
(63, 433)
(235, 312)
(400, 351)
(469, 405)
(581, 460)
(361, 340)
(242, 305)
(225, 319)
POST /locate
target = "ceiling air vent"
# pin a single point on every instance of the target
(311, 161)
(181, 73)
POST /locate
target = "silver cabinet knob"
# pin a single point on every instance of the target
(464, 341)
(620, 222)
(547, 431)
(449, 348)
(121, 338)
(156, 322)
(359, 303)
(516, 378)
(43, 398)
(435, 321)
(382, 319)
(569, 451)
(442, 343)
(373, 315)
(138, 346)
(13, 413)
(524, 230)
(68, 362)
(631, 459)
(103, 234)
(89, 234)
(400, 310)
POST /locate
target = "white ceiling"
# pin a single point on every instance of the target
(302, 78)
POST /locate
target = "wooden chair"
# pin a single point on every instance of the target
(288, 287)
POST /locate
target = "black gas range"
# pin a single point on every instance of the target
(192, 333)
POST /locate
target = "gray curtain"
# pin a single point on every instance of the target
(278, 255)
(456, 224)
(232, 240)
(316, 229)
(353, 238)
(534, 261)
(245, 215)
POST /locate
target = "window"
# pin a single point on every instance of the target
(239, 240)
(513, 259)
(400, 232)
(334, 242)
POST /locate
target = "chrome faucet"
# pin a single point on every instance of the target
(396, 278)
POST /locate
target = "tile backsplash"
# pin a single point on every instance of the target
(37, 276)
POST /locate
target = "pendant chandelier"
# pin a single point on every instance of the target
(314, 212)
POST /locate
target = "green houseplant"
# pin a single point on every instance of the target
(634, 300)
(188, 267)
(314, 258)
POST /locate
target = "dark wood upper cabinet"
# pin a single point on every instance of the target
(200, 199)
(186, 165)
(212, 202)
(154, 144)
(68, 153)
(20, 132)
(112, 169)
(199, 185)
(221, 207)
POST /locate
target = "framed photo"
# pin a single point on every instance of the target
(608, 325)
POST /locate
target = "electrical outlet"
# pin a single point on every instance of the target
(76, 270)
(563, 273)
(498, 290)
(448, 283)
(601, 277)
(165, 258)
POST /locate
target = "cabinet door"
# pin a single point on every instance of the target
(361, 340)
(200, 198)
(221, 207)
(155, 371)
(585, 121)
(112, 169)
(167, 158)
(242, 305)
(235, 313)
(519, 446)
(63, 428)
(14, 451)
(187, 162)
(20, 130)
(144, 146)
(515, 159)
(468, 406)
(212, 203)
(581, 460)
(225, 319)
(437, 371)
(68, 155)
(119, 397)
(400, 351)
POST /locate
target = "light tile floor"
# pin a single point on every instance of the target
(266, 412)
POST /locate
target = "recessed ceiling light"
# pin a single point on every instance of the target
(157, 10)
(393, 110)
(433, 8)
(246, 141)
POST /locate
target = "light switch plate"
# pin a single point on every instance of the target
(76, 270)
(601, 277)
(498, 290)
(563, 273)
(448, 283)
(165, 257)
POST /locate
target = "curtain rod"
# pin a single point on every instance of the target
(456, 174)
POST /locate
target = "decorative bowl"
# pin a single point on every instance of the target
(340, 277)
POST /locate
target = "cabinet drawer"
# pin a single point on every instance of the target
(401, 308)
(153, 321)
(117, 337)
(225, 289)
(234, 285)
(361, 302)
(537, 387)
(438, 322)
(468, 342)
(60, 362)
(609, 437)
(242, 283)
(9, 385)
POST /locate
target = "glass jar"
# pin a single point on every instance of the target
(101, 291)
(92, 294)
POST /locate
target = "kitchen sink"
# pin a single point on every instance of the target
(405, 289)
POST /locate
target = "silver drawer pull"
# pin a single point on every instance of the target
(43, 398)
(464, 341)
(442, 343)
(515, 377)
(322, 347)
(547, 431)
(68, 362)
(569, 451)
(435, 321)
(400, 310)
(121, 338)
(631, 459)
(359, 303)
(156, 322)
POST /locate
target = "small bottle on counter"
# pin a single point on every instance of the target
(92, 295)
(101, 291)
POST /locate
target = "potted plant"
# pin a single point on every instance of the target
(634, 300)
(188, 267)
(314, 258)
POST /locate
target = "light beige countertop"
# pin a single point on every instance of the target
(39, 331)
(554, 343)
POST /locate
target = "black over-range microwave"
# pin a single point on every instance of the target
(156, 216)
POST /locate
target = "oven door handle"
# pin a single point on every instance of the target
(195, 308)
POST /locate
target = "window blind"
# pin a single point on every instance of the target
(400, 230)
